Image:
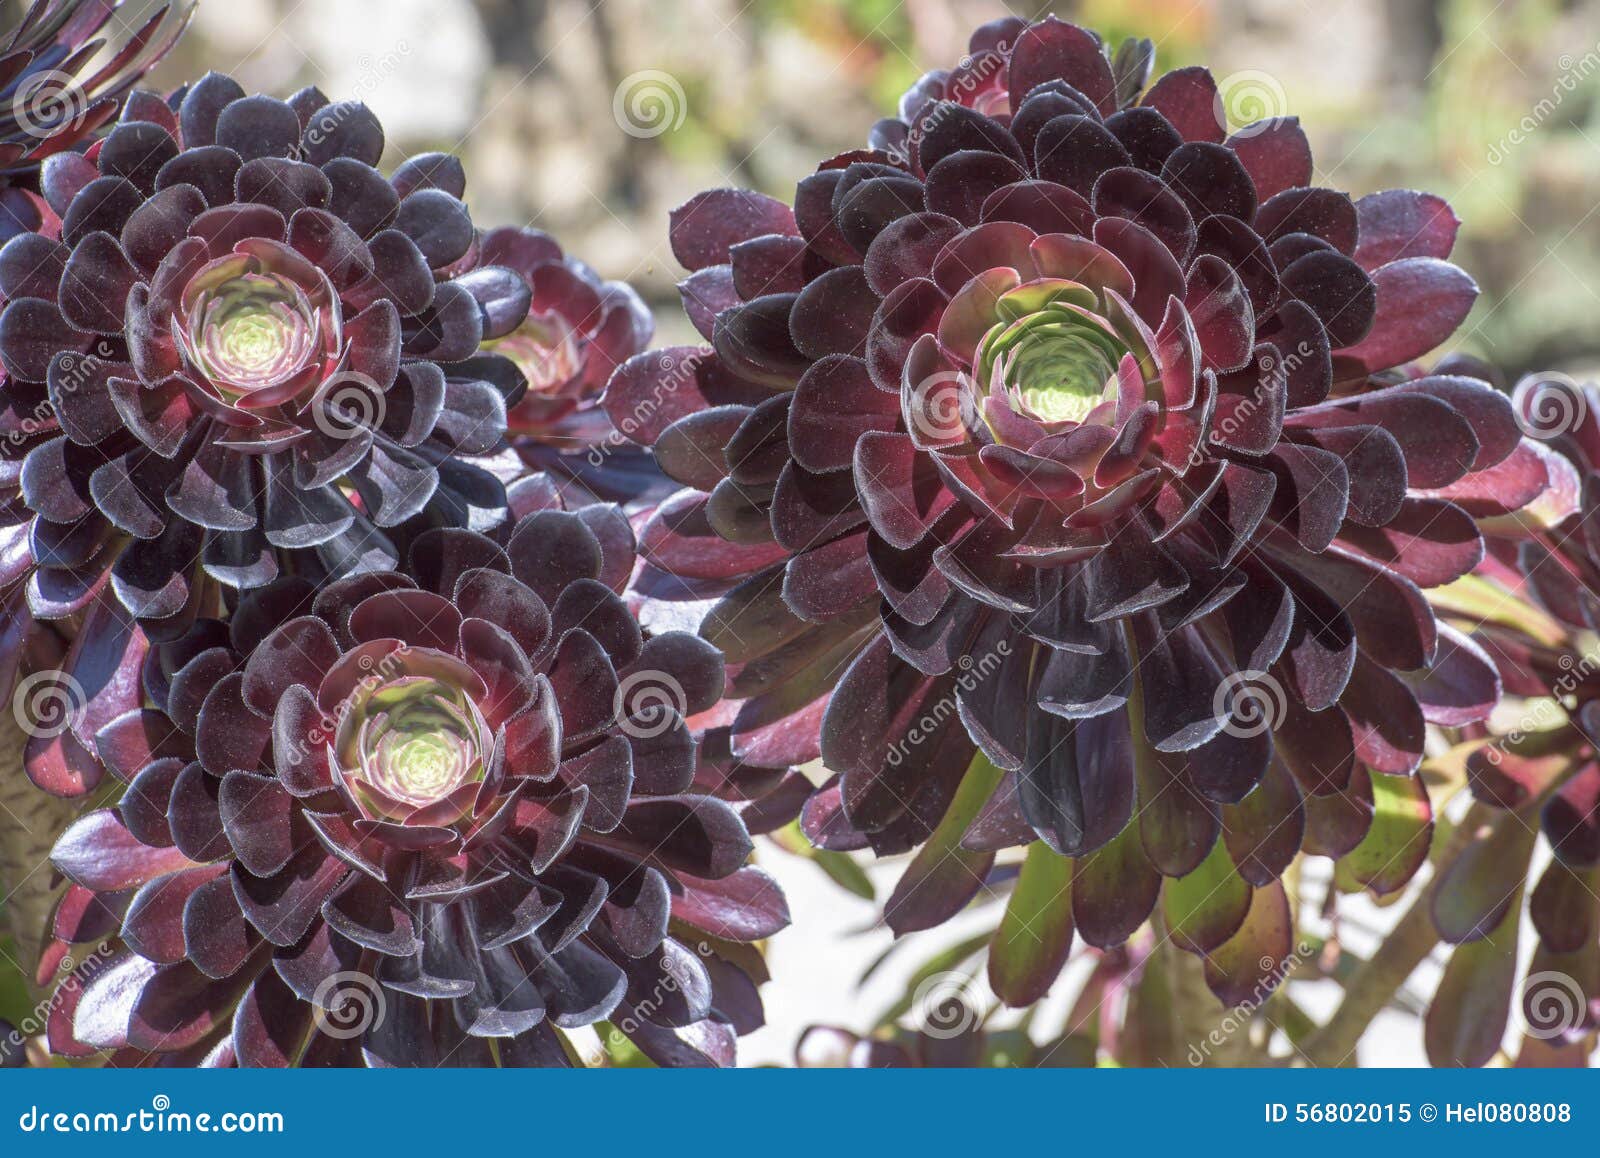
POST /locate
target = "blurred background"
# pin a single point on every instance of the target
(592, 118)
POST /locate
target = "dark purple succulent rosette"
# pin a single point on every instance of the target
(248, 354)
(60, 88)
(579, 329)
(1040, 441)
(437, 818)
(1537, 775)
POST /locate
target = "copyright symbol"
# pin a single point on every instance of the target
(1429, 1112)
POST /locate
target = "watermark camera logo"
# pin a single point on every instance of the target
(346, 1005)
(649, 703)
(1549, 404)
(47, 102)
(649, 103)
(1250, 702)
(1553, 1005)
(947, 1005)
(48, 703)
(352, 404)
(1250, 99)
(934, 408)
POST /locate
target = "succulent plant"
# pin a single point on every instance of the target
(67, 65)
(437, 818)
(579, 329)
(1534, 850)
(243, 353)
(57, 92)
(1063, 472)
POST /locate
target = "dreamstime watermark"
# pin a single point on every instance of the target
(972, 673)
(649, 103)
(1549, 404)
(1251, 100)
(1553, 1005)
(1250, 703)
(372, 72)
(1573, 73)
(87, 967)
(375, 672)
(70, 372)
(46, 102)
(1274, 368)
(346, 1005)
(935, 409)
(1239, 1016)
(48, 703)
(673, 374)
(949, 1004)
(160, 1118)
(963, 85)
(1547, 712)
(676, 977)
(648, 703)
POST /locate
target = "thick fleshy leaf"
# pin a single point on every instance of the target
(1420, 302)
(1402, 223)
(98, 852)
(706, 226)
(1113, 890)
(1032, 942)
(1478, 889)
(1254, 961)
(1205, 908)
(943, 876)
(1396, 845)
(745, 906)
(1467, 1018)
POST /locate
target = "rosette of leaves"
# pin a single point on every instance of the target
(1065, 481)
(238, 351)
(67, 65)
(580, 328)
(443, 817)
